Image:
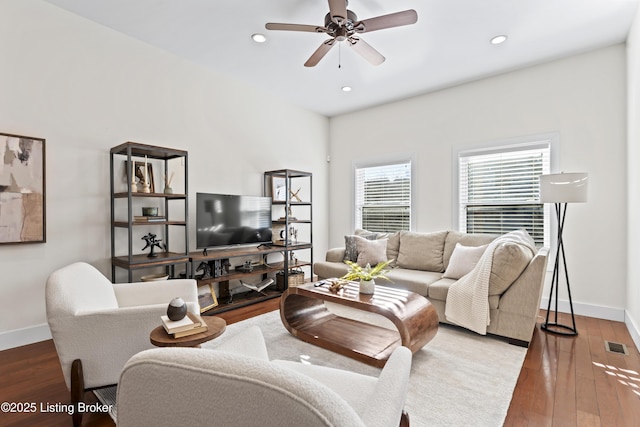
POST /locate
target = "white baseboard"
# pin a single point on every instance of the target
(633, 330)
(597, 311)
(20, 337)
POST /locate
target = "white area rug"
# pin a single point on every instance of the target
(458, 379)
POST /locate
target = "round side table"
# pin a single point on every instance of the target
(216, 326)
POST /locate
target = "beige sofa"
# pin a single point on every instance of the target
(423, 264)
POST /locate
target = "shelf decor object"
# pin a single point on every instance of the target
(22, 199)
(561, 189)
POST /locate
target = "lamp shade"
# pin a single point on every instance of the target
(564, 188)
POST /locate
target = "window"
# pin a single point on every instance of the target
(499, 189)
(383, 197)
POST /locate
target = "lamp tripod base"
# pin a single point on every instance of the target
(555, 327)
(558, 329)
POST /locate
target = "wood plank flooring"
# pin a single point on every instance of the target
(573, 381)
(565, 381)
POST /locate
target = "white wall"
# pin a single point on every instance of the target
(85, 88)
(633, 162)
(582, 98)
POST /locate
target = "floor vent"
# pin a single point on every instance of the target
(616, 347)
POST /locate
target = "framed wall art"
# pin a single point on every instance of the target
(22, 189)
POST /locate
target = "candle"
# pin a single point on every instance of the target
(133, 172)
(145, 171)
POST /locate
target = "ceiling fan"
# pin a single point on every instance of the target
(343, 25)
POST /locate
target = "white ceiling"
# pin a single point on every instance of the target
(448, 45)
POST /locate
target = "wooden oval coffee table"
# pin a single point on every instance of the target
(216, 326)
(305, 316)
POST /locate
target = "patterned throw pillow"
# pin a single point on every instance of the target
(350, 247)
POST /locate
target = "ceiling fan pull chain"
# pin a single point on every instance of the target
(339, 55)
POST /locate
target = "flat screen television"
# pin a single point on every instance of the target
(229, 220)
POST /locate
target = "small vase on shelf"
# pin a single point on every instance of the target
(167, 184)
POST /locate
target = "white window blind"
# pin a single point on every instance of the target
(383, 197)
(499, 190)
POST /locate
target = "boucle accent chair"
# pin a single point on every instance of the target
(236, 385)
(97, 325)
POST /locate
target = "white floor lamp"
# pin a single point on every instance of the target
(561, 189)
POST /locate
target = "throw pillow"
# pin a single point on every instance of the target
(371, 251)
(422, 251)
(463, 260)
(465, 239)
(393, 248)
(364, 233)
(350, 248)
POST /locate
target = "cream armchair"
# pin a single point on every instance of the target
(97, 325)
(236, 385)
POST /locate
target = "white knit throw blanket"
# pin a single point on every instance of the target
(467, 302)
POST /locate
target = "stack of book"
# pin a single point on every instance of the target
(141, 218)
(191, 324)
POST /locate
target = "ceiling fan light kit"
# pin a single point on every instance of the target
(343, 25)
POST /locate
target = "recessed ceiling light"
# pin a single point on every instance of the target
(499, 39)
(258, 38)
(346, 88)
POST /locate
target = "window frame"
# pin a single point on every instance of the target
(393, 159)
(508, 144)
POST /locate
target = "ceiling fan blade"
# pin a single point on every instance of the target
(295, 27)
(320, 53)
(391, 20)
(338, 11)
(366, 51)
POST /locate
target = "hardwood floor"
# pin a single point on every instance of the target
(573, 381)
(565, 381)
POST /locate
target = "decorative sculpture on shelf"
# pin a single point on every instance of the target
(206, 270)
(153, 243)
(294, 195)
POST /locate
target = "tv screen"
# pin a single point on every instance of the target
(227, 220)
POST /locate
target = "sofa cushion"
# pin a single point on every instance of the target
(464, 239)
(463, 259)
(412, 280)
(422, 251)
(509, 261)
(371, 252)
(351, 248)
(439, 289)
(393, 248)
